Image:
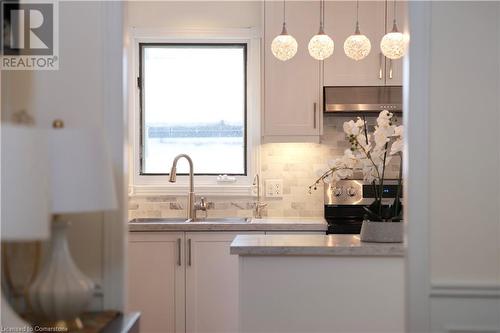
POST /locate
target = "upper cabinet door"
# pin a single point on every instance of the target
(340, 21)
(292, 88)
(394, 68)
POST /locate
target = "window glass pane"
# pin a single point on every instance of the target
(194, 103)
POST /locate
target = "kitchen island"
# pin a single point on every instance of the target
(319, 283)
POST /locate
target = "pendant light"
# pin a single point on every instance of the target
(393, 44)
(284, 46)
(357, 46)
(321, 46)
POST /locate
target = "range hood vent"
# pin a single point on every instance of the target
(366, 99)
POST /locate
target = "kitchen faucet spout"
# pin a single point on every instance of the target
(191, 213)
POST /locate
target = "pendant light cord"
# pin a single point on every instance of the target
(394, 11)
(356, 31)
(284, 17)
(321, 15)
(357, 12)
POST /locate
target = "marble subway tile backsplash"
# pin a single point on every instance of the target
(295, 163)
(171, 206)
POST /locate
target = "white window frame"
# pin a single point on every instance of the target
(204, 185)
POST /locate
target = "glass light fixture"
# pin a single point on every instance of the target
(321, 46)
(393, 44)
(357, 46)
(284, 46)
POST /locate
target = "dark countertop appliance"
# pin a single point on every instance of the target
(365, 99)
(344, 202)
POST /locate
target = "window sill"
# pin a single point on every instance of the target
(202, 189)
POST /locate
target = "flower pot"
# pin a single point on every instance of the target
(382, 232)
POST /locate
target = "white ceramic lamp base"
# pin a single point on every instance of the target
(61, 292)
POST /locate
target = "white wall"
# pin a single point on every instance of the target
(454, 215)
(464, 150)
(194, 14)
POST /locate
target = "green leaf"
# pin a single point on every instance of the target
(371, 211)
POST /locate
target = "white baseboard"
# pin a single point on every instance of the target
(458, 307)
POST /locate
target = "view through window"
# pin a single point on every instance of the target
(193, 100)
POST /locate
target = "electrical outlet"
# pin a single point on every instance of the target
(274, 187)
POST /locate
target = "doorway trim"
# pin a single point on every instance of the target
(416, 103)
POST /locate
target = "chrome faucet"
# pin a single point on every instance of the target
(204, 206)
(257, 212)
(191, 212)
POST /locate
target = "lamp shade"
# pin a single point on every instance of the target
(81, 171)
(25, 209)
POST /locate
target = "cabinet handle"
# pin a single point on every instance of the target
(381, 60)
(189, 251)
(390, 69)
(179, 252)
(314, 113)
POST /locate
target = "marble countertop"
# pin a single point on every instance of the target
(312, 245)
(229, 224)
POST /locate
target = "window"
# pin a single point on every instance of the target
(193, 100)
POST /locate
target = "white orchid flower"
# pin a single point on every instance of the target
(399, 130)
(380, 138)
(360, 123)
(349, 160)
(384, 119)
(350, 128)
(331, 163)
(342, 174)
(397, 147)
(321, 172)
(363, 141)
(369, 153)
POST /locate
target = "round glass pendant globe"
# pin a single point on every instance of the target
(321, 46)
(393, 45)
(284, 47)
(357, 47)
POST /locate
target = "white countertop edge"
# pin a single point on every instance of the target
(312, 245)
(225, 227)
(311, 252)
(267, 224)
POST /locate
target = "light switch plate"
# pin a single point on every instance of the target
(274, 187)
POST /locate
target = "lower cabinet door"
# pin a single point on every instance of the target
(156, 280)
(212, 283)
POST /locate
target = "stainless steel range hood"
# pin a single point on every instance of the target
(342, 99)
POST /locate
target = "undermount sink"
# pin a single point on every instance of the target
(228, 220)
(225, 220)
(159, 220)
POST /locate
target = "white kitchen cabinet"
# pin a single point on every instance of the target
(375, 69)
(292, 94)
(394, 68)
(298, 294)
(340, 20)
(184, 281)
(156, 280)
(211, 283)
(293, 89)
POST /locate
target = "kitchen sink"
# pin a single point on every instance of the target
(159, 220)
(171, 220)
(229, 220)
